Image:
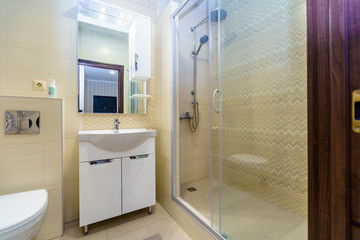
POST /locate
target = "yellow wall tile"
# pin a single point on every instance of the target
(2, 49)
(19, 165)
(53, 221)
(22, 67)
(26, 24)
(63, 68)
(51, 116)
(2, 23)
(2, 69)
(73, 121)
(71, 193)
(53, 166)
(71, 158)
(61, 27)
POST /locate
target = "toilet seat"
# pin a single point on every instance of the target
(21, 210)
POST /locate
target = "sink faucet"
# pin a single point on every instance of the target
(117, 125)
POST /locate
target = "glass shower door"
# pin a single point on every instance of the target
(262, 118)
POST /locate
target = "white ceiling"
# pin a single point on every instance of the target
(100, 74)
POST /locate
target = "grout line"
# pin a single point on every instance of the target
(106, 233)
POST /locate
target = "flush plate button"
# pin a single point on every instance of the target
(22, 122)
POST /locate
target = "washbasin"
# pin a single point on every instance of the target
(110, 140)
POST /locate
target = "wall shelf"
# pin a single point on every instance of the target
(139, 96)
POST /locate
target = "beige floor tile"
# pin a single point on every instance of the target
(243, 215)
(158, 213)
(138, 233)
(168, 229)
(132, 226)
(299, 233)
(73, 231)
(120, 224)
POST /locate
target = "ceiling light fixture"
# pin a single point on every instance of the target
(102, 9)
(101, 16)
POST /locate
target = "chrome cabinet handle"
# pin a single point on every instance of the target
(214, 94)
(100, 162)
(139, 156)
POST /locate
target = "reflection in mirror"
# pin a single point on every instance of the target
(104, 49)
(103, 87)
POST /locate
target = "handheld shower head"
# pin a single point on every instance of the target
(203, 40)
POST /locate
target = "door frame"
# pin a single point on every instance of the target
(120, 69)
(332, 75)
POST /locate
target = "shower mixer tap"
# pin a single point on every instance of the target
(187, 116)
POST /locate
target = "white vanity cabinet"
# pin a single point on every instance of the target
(112, 183)
(100, 190)
(140, 48)
(138, 182)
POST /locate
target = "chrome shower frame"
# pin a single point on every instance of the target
(196, 216)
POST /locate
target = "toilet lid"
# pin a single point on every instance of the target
(20, 208)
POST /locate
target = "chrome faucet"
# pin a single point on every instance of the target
(117, 125)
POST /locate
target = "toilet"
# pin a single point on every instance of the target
(21, 214)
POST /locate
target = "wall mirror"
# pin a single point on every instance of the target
(114, 61)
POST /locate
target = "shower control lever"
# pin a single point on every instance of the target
(187, 116)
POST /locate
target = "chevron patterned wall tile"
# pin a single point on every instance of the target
(263, 100)
(106, 121)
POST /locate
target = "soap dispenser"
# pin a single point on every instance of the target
(52, 89)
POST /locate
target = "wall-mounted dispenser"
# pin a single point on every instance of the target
(22, 122)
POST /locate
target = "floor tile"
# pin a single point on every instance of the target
(168, 229)
(132, 226)
(243, 215)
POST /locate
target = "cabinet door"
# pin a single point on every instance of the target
(140, 48)
(138, 179)
(100, 190)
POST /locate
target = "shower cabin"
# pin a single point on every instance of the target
(240, 114)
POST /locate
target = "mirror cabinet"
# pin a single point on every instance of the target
(114, 59)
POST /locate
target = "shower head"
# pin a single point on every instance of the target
(203, 40)
(214, 15)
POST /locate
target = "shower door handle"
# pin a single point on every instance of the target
(356, 111)
(214, 105)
